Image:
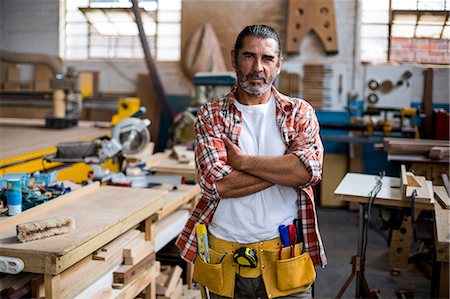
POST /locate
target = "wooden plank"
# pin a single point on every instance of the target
(173, 278)
(419, 183)
(101, 215)
(116, 245)
(442, 229)
(398, 146)
(177, 292)
(442, 196)
(84, 273)
(141, 253)
(141, 282)
(137, 245)
(52, 286)
(126, 273)
(37, 287)
(105, 293)
(355, 187)
(334, 170)
(439, 152)
(183, 155)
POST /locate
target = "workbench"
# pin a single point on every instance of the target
(355, 187)
(24, 144)
(101, 214)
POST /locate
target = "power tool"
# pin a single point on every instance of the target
(246, 257)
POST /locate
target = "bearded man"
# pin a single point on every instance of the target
(258, 153)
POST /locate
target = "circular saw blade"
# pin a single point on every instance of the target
(134, 141)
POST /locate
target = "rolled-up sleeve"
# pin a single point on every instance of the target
(210, 153)
(307, 145)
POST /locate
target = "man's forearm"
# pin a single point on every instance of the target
(285, 170)
(237, 184)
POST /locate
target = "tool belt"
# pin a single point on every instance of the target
(282, 274)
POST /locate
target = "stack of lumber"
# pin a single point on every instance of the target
(435, 149)
(112, 268)
(289, 83)
(20, 285)
(138, 256)
(440, 153)
(317, 84)
(169, 284)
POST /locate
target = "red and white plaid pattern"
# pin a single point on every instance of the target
(300, 132)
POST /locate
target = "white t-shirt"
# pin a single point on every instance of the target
(256, 217)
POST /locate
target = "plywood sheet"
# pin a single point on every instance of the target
(101, 214)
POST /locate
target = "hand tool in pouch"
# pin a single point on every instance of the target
(246, 257)
(292, 238)
(284, 237)
(202, 242)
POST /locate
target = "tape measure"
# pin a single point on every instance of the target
(246, 257)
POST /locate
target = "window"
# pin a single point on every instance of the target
(106, 29)
(406, 31)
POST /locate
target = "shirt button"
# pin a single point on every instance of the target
(263, 266)
(262, 250)
(261, 243)
(269, 295)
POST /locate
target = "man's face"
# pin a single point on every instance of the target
(257, 64)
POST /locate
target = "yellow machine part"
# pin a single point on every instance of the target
(35, 161)
(127, 107)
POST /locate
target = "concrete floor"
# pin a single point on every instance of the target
(339, 228)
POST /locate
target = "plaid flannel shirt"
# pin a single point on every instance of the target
(300, 133)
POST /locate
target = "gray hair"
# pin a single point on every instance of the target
(259, 31)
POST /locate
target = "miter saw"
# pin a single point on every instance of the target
(128, 137)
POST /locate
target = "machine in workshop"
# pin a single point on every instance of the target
(66, 94)
(208, 85)
(129, 137)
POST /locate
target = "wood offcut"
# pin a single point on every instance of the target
(311, 15)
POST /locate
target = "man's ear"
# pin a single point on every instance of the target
(280, 64)
(233, 60)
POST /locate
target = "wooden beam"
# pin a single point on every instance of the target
(52, 285)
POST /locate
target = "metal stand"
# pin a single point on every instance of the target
(358, 264)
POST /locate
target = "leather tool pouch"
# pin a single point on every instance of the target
(294, 272)
(217, 277)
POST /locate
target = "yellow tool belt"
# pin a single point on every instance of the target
(281, 277)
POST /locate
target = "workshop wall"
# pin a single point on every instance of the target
(34, 26)
(410, 91)
(30, 26)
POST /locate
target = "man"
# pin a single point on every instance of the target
(258, 153)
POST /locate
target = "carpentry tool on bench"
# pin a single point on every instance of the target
(129, 136)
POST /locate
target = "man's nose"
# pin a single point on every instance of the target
(258, 67)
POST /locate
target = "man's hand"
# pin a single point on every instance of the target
(235, 156)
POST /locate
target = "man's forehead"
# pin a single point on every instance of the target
(252, 43)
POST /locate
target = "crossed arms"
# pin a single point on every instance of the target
(225, 171)
(254, 173)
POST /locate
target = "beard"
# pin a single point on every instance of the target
(255, 88)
